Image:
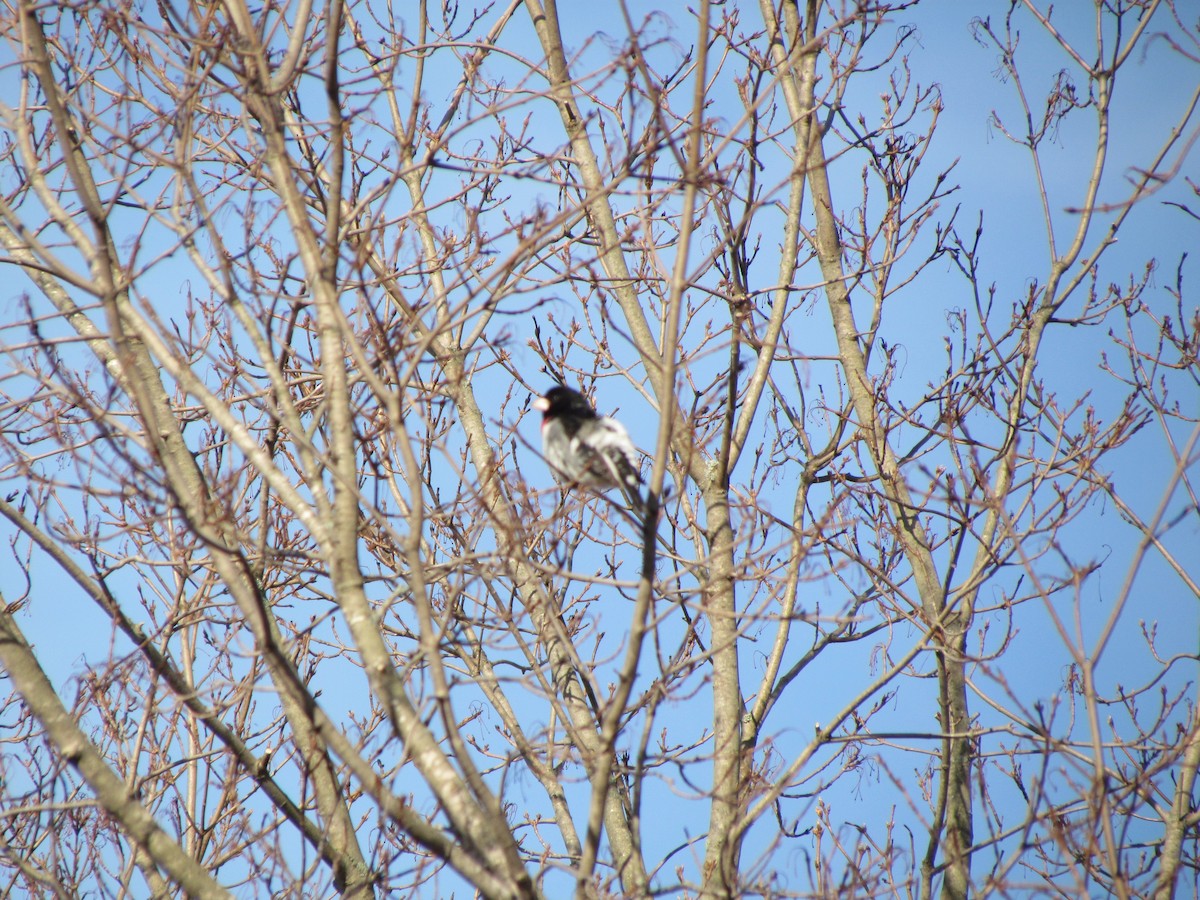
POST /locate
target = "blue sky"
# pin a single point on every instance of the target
(994, 176)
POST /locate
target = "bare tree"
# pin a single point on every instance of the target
(293, 606)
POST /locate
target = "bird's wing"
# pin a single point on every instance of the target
(614, 451)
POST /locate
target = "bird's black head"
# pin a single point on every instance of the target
(563, 401)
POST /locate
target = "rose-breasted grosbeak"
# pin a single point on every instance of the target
(588, 449)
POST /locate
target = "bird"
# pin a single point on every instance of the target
(587, 449)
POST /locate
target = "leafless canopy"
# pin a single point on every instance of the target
(290, 603)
